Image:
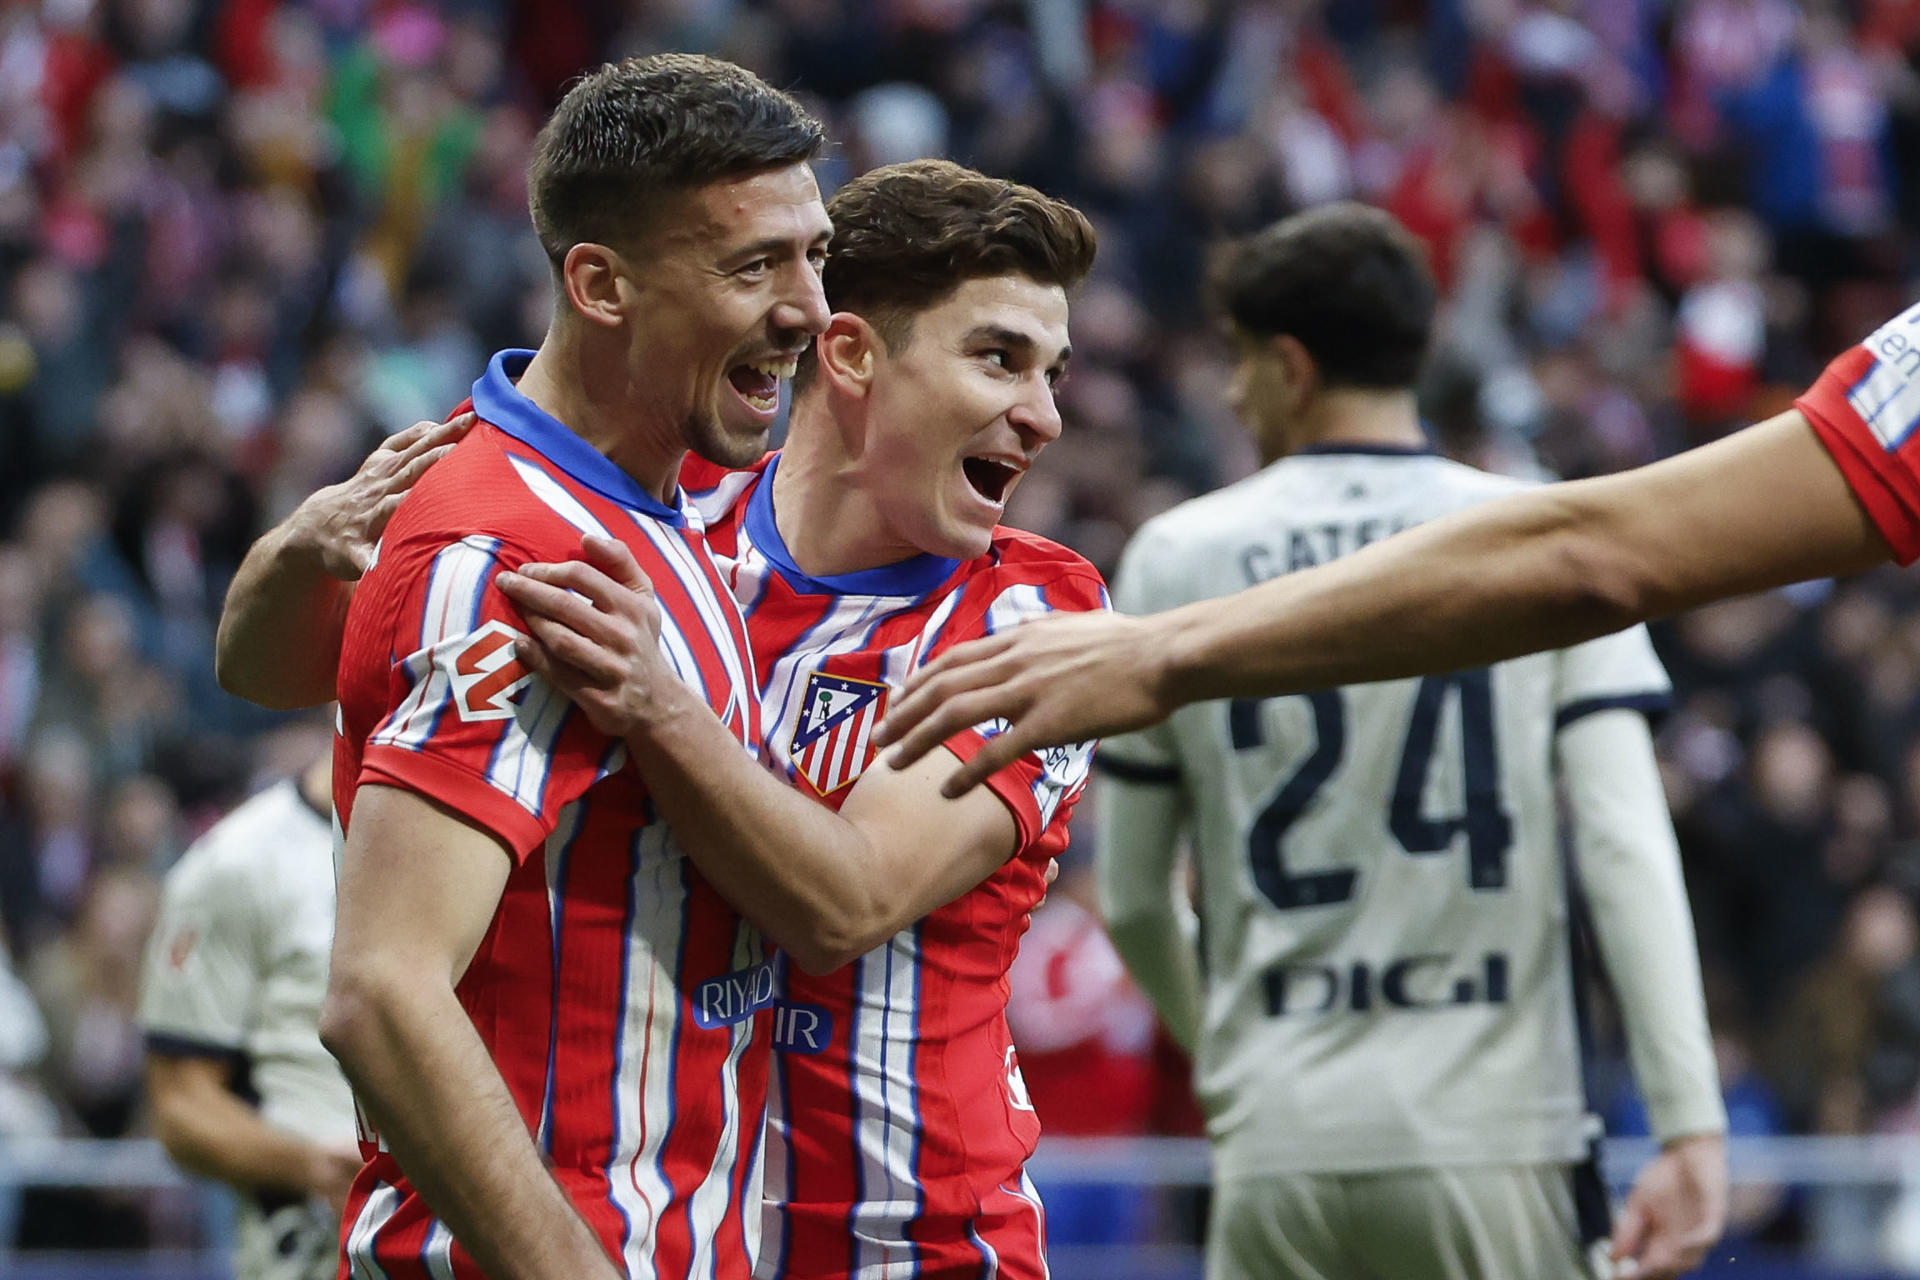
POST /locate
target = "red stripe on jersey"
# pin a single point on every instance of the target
(1884, 479)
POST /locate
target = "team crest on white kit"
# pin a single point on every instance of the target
(833, 743)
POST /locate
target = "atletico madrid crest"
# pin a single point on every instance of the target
(833, 743)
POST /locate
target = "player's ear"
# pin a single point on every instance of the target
(598, 283)
(1303, 375)
(848, 352)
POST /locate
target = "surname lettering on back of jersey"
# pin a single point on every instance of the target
(1311, 545)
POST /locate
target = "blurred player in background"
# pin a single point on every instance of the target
(901, 1122)
(1385, 1039)
(240, 1086)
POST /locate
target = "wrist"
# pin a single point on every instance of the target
(1175, 654)
(300, 540)
(667, 720)
(1679, 1141)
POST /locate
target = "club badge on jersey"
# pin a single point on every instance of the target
(833, 744)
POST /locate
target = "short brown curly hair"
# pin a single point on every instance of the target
(905, 236)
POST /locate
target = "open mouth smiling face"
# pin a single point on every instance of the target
(758, 381)
(965, 405)
(993, 479)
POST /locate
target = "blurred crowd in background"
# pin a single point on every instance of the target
(241, 240)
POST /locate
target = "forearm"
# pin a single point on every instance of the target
(278, 643)
(1630, 868)
(218, 1136)
(804, 876)
(1537, 570)
(1158, 950)
(423, 1075)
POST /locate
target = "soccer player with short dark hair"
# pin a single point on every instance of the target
(520, 939)
(1385, 1037)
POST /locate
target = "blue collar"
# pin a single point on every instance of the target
(1372, 450)
(914, 576)
(498, 401)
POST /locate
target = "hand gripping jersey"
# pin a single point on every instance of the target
(900, 1124)
(1382, 901)
(236, 970)
(1866, 409)
(622, 1000)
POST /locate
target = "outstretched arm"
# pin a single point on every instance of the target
(1537, 570)
(827, 887)
(279, 639)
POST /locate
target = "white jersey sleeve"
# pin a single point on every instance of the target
(1149, 755)
(1620, 670)
(1629, 865)
(205, 959)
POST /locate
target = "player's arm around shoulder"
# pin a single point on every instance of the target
(826, 887)
(278, 641)
(419, 887)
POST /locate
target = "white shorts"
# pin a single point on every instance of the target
(1492, 1222)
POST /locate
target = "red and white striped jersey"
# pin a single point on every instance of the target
(899, 1124)
(1866, 409)
(621, 999)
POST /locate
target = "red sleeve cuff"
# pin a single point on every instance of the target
(1871, 472)
(1013, 784)
(460, 790)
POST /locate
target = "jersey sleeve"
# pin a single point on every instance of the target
(204, 961)
(466, 724)
(1865, 408)
(1147, 756)
(1042, 786)
(1616, 671)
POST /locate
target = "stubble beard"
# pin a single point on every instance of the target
(707, 438)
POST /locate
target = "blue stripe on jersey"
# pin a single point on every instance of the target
(1145, 775)
(1652, 703)
(497, 400)
(761, 583)
(368, 1261)
(1335, 447)
(673, 1056)
(914, 576)
(1891, 441)
(563, 862)
(913, 1075)
(933, 641)
(614, 1152)
(786, 1119)
(473, 621)
(887, 1121)
(438, 1241)
(853, 1112)
(989, 1260)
